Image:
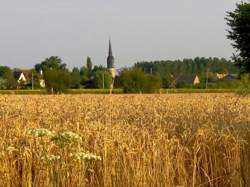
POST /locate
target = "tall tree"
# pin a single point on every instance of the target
(75, 78)
(5, 71)
(102, 79)
(135, 81)
(7, 78)
(239, 22)
(57, 81)
(51, 63)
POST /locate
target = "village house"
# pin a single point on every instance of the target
(230, 77)
(24, 77)
(186, 79)
(220, 76)
(225, 76)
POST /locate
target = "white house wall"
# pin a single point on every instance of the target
(22, 78)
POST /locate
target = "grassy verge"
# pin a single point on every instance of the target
(71, 91)
(23, 92)
(115, 91)
(94, 91)
(172, 91)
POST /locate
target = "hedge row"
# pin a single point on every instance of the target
(199, 90)
(71, 91)
(115, 91)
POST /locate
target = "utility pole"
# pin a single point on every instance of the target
(32, 81)
(103, 80)
(207, 76)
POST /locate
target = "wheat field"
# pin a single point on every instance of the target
(179, 140)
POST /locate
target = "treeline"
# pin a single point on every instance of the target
(56, 76)
(206, 69)
(198, 65)
(142, 77)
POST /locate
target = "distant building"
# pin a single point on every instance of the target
(186, 79)
(220, 76)
(22, 75)
(111, 64)
(230, 77)
(25, 77)
(225, 76)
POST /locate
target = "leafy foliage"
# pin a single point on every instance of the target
(7, 80)
(239, 22)
(167, 80)
(136, 81)
(102, 78)
(51, 63)
(75, 78)
(65, 138)
(57, 81)
(198, 65)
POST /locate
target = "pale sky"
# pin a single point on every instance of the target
(31, 30)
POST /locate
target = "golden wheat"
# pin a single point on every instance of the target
(125, 140)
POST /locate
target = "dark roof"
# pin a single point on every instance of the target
(185, 79)
(231, 77)
(26, 73)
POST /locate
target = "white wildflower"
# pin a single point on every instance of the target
(71, 135)
(40, 132)
(51, 158)
(66, 138)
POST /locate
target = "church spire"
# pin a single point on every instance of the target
(110, 48)
(110, 59)
(111, 64)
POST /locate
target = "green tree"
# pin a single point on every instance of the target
(8, 80)
(51, 63)
(5, 71)
(136, 81)
(238, 21)
(133, 80)
(167, 80)
(84, 74)
(102, 78)
(75, 78)
(57, 81)
(153, 84)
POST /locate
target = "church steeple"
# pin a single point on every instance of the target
(110, 48)
(110, 59)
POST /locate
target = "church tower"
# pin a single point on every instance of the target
(111, 64)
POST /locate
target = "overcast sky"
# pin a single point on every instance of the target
(31, 30)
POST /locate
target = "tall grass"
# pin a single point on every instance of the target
(125, 140)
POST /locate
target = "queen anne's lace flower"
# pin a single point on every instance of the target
(40, 132)
(51, 158)
(66, 138)
(84, 156)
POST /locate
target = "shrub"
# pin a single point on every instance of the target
(57, 81)
(136, 81)
(167, 80)
(230, 84)
(183, 85)
(102, 78)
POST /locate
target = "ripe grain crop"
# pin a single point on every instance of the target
(125, 140)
